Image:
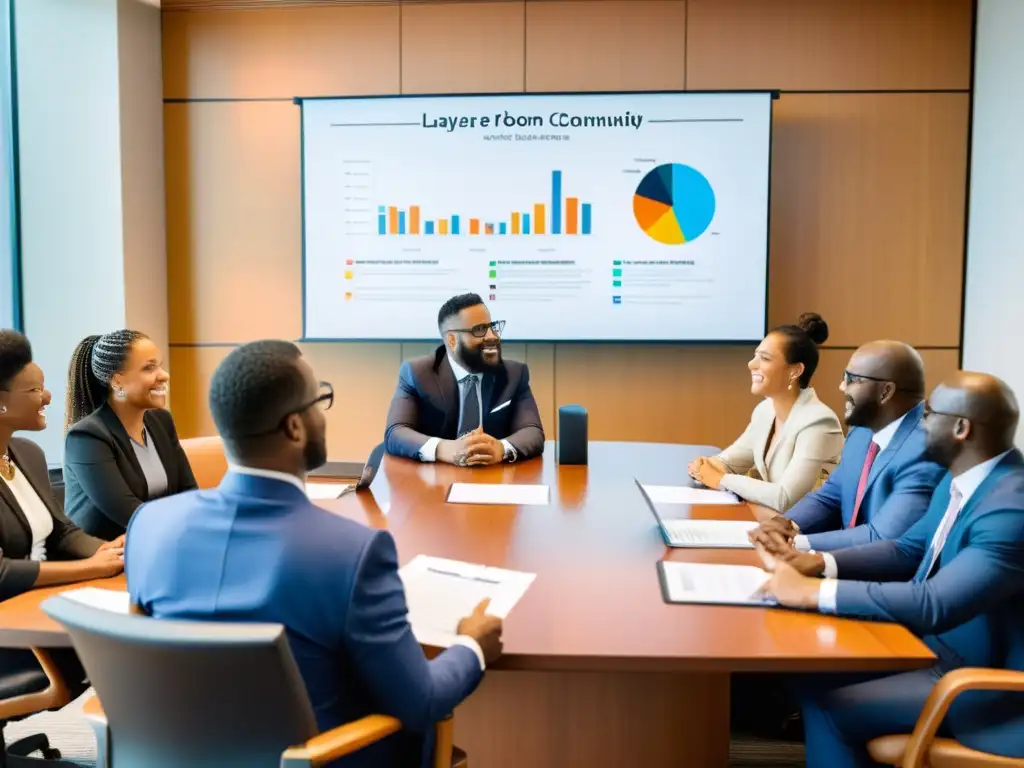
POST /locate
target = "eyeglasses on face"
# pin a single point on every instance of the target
(480, 329)
(324, 401)
(853, 378)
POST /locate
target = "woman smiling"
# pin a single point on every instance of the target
(121, 448)
(793, 440)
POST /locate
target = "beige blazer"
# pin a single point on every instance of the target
(807, 449)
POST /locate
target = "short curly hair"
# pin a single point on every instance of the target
(254, 387)
(15, 356)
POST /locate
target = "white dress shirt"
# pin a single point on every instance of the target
(40, 521)
(284, 477)
(881, 438)
(428, 451)
(966, 483)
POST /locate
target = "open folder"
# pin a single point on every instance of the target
(713, 584)
(440, 593)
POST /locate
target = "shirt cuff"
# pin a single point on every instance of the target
(827, 595)
(511, 454)
(428, 452)
(831, 566)
(802, 543)
(472, 644)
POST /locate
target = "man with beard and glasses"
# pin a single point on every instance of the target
(884, 482)
(955, 579)
(463, 404)
(255, 549)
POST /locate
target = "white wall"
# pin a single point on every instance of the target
(6, 159)
(994, 309)
(91, 172)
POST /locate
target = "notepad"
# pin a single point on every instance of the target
(113, 600)
(440, 593)
(323, 491)
(492, 493)
(713, 584)
(730, 534)
(681, 494)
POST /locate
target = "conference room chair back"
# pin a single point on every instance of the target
(29, 683)
(207, 459)
(921, 749)
(177, 693)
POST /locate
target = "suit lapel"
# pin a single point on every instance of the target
(43, 490)
(907, 426)
(448, 391)
(12, 504)
(795, 417)
(858, 453)
(120, 435)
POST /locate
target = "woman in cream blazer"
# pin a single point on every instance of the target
(793, 440)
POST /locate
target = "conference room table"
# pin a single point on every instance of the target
(597, 669)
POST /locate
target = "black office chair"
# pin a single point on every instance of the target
(177, 693)
(30, 682)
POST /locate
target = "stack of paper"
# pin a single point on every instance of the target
(727, 534)
(715, 584)
(112, 600)
(440, 593)
(324, 491)
(489, 493)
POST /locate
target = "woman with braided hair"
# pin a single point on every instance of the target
(121, 447)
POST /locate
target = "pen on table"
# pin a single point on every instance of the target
(462, 576)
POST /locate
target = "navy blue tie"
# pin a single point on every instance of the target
(470, 418)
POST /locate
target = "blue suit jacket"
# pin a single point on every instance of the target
(256, 549)
(968, 610)
(899, 488)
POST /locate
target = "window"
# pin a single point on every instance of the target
(10, 298)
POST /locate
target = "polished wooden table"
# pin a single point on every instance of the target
(598, 670)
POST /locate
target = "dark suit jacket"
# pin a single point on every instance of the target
(900, 485)
(103, 481)
(968, 610)
(426, 404)
(256, 549)
(67, 542)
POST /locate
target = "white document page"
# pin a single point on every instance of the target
(440, 593)
(319, 491)
(488, 493)
(112, 600)
(708, 583)
(681, 494)
(710, 533)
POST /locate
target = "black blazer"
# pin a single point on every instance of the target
(426, 404)
(103, 480)
(67, 542)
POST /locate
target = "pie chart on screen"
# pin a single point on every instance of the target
(674, 204)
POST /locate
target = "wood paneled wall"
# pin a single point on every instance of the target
(869, 175)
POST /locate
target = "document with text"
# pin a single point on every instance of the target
(492, 493)
(113, 600)
(324, 491)
(440, 593)
(713, 584)
(722, 534)
(681, 494)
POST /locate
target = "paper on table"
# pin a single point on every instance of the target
(681, 494)
(317, 491)
(712, 583)
(710, 533)
(440, 593)
(112, 600)
(489, 493)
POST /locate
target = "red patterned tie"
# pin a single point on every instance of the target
(863, 484)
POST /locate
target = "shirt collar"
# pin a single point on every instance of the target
(458, 370)
(968, 482)
(885, 435)
(268, 474)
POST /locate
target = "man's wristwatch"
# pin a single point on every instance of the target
(511, 454)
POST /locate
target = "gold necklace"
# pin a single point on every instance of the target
(6, 466)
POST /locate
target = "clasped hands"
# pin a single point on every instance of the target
(474, 449)
(707, 471)
(794, 580)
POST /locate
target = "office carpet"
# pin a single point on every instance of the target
(70, 733)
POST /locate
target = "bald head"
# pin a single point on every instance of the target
(891, 361)
(983, 400)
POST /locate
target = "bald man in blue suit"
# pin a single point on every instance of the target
(956, 580)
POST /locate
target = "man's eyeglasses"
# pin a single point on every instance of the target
(852, 378)
(480, 330)
(324, 400)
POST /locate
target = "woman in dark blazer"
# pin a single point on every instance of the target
(121, 447)
(39, 546)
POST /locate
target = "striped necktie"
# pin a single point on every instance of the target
(470, 418)
(941, 534)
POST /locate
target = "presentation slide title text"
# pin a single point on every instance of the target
(555, 119)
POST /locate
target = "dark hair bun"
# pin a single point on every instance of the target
(814, 326)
